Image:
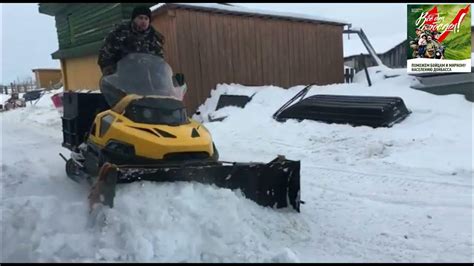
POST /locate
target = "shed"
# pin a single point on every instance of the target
(81, 28)
(391, 49)
(47, 77)
(215, 43)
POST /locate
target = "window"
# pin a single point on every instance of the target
(105, 124)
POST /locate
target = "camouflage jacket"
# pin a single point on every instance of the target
(124, 39)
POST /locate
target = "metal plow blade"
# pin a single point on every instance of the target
(275, 184)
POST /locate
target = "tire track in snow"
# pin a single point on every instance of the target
(388, 188)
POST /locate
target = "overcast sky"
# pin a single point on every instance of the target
(29, 38)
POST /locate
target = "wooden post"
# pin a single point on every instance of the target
(362, 61)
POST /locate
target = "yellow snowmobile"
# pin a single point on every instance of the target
(137, 128)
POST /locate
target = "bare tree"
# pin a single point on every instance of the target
(22, 84)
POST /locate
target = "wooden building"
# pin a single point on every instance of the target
(81, 28)
(47, 77)
(396, 57)
(390, 49)
(214, 43)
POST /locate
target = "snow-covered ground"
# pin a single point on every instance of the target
(4, 98)
(400, 194)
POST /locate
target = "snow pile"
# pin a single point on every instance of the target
(4, 98)
(419, 130)
(169, 222)
(208, 109)
(189, 225)
(400, 194)
(379, 73)
(42, 111)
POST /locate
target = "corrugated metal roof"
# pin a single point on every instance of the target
(234, 10)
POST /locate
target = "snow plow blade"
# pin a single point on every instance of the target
(275, 184)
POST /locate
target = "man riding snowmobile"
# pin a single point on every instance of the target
(146, 134)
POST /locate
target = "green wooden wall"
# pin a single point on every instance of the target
(81, 27)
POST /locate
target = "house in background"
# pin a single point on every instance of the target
(47, 77)
(209, 44)
(390, 49)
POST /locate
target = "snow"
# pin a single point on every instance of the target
(245, 10)
(400, 194)
(381, 44)
(4, 98)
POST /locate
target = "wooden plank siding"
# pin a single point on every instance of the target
(81, 73)
(186, 50)
(85, 23)
(393, 58)
(269, 64)
(212, 48)
(205, 55)
(166, 25)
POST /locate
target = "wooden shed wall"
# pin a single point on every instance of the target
(217, 48)
(81, 73)
(396, 57)
(47, 78)
(79, 24)
(166, 25)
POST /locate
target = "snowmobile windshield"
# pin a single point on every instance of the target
(141, 74)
